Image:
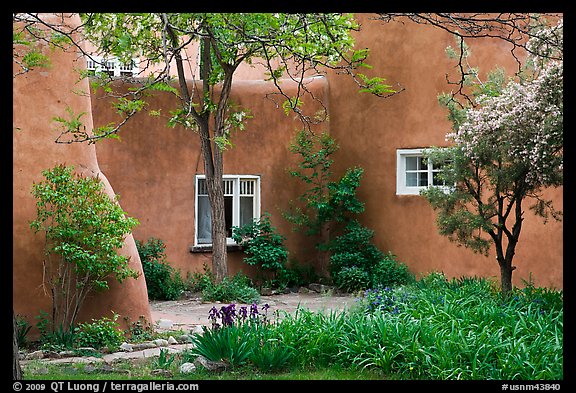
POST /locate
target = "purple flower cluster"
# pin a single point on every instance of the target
(228, 315)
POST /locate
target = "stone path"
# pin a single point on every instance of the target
(188, 313)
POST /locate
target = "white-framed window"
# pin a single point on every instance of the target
(414, 172)
(241, 206)
(112, 66)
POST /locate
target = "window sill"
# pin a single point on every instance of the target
(208, 248)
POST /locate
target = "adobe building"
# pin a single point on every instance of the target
(158, 170)
(38, 96)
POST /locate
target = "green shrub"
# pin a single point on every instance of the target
(263, 245)
(388, 272)
(356, 263)
(22, 330)
(84, 229)
(162, 280)
(100, 333)
(237, 288)
(351, 278)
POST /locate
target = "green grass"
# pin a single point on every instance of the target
(38, 370)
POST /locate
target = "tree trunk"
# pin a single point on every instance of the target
(506, 277)
(16, 369)
(219, 255)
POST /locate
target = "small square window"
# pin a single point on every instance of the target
(414, 172)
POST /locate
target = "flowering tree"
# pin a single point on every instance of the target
(507, 148)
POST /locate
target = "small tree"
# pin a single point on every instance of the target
(84, 228)
(507, 149)
(328, 208)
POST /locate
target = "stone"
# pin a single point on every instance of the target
(160, 342)
(162, 373)
(197, 329)
(126, 347)
(143, 346)
(210, 365)
(172, 341)
(35, 355)
(319, 288)
(165, 324)
(187, 368)
(304, 290)
(266, 291)
(184, 339)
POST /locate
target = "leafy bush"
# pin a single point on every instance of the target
(356, 263)
(263, 245)
(388, 272)
(84, 229)
(351, 278)
(162, 280)
(238, 288)
(100, 333)
(54, 338)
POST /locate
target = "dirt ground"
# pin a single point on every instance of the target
(187, 313)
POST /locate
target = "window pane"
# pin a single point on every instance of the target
(246, 210)
(422, 163)
(204, 220)
(423, 179)
(411, 163)
(436, 180)
(228, 215)
(411, 179)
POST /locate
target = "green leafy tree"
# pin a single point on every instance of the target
(506, 150)
(289, 46)
(84, 230)
(329, 208)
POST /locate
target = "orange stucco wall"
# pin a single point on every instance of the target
(38, 96)
(371, 129)
(153, 167)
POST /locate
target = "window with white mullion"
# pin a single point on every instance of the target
(241, 205)
(414, 172)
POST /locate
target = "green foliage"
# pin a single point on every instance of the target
(100, 333)
(263, 244)
(351, 278)
(237, 288)
(228, 344)
(84, 230)
(162, 280)
(140, 330)
(52, 337)
(356, 263)
(164, 360)
(22, 330)
(456, 329)
(324, 201)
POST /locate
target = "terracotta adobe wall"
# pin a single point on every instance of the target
(38, 96)
(153, 167)
(370, 130)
